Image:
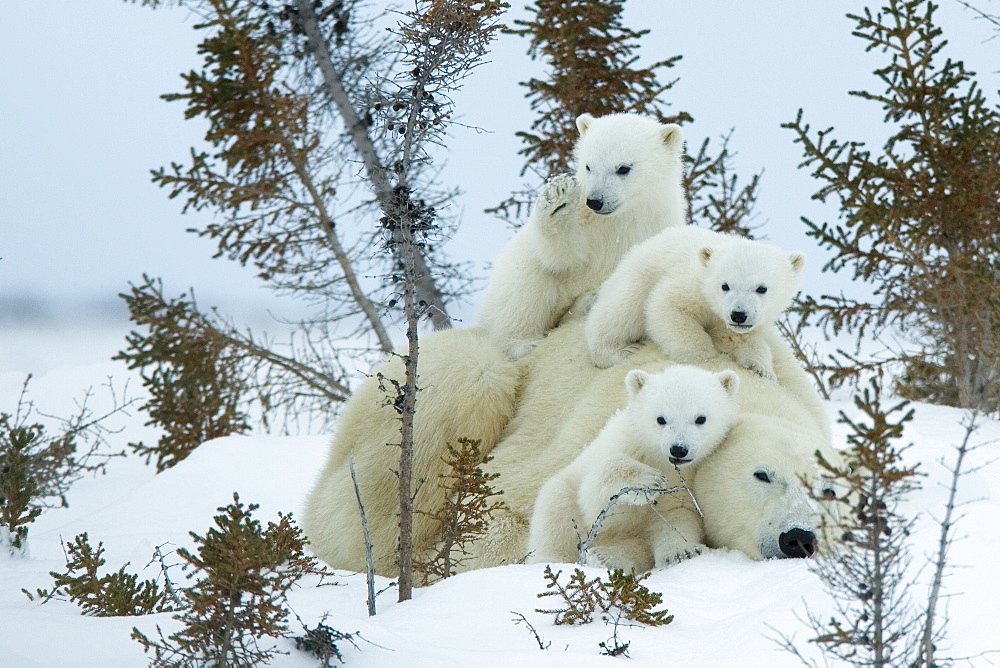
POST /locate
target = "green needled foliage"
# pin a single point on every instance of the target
(919, 219)
(238, 601)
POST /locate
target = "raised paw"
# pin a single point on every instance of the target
(555, 201)
(755, 356)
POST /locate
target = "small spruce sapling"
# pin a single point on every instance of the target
(244, 575)
(619, 600)
(466, 512)
(37, 467)
(874, 623)
(118, 594)
(621, 596)
(18, 487)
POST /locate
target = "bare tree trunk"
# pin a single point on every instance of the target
(407, 408)
(926, 650)
(426, 289)
(369, 564)
(330, 232)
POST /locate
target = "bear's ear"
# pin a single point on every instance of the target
(729, 380)
(671, 133)
(798, 261)
(705, 254)
(583, 122)
(634, 380)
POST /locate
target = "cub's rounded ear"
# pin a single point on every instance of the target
(705, 254)
(729, 380)
(798, 260)
(583, 122)
(634, 381)
(671, 133)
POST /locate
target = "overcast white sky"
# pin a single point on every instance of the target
(81, 125)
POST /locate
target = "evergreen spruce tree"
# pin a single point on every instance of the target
(18, 486)
(875, 623)
(244, 573)
(117, 594)
(466, 512)
(197, 385)
(38, 464)
(919, 219)
(592, 60)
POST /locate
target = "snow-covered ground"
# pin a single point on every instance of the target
(728, 609)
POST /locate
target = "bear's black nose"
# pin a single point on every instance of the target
(595, 204)
(739, 317)
(678, 451)
(797, 543)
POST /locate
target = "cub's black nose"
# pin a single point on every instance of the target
(678, 451)
(797, 543)
(739, 317)
(595, 204)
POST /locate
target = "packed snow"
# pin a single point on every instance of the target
(728, 610)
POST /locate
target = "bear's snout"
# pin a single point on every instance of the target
(678, 452)
(739, 317)
(797, 543)
(595, 204)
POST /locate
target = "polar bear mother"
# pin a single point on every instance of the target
(748, 488)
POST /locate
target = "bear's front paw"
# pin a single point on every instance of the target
(641, 487)
(605, 358)
(760, 368)
(755, 356)
(681, 555)
(520, 349)
(609, 558)
(556, 200)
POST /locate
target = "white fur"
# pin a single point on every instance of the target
(565, 402)
(697, 294)
(567, 248)
(467, 390)
(675, 417)
(533, 417)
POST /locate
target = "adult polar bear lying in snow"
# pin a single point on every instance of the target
(627, 188)
(747, 488)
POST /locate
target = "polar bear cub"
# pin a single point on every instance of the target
(627, 187)
(673, 418)
(696, 294)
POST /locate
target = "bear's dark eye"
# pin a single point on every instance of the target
(762, 476)
(700, 419)
(725, 287)
(661, 420)
(761, 289)
(624, 169)
(587, 167)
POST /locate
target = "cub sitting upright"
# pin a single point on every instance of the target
(627, 188)
(696, 294)
(672, 418)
